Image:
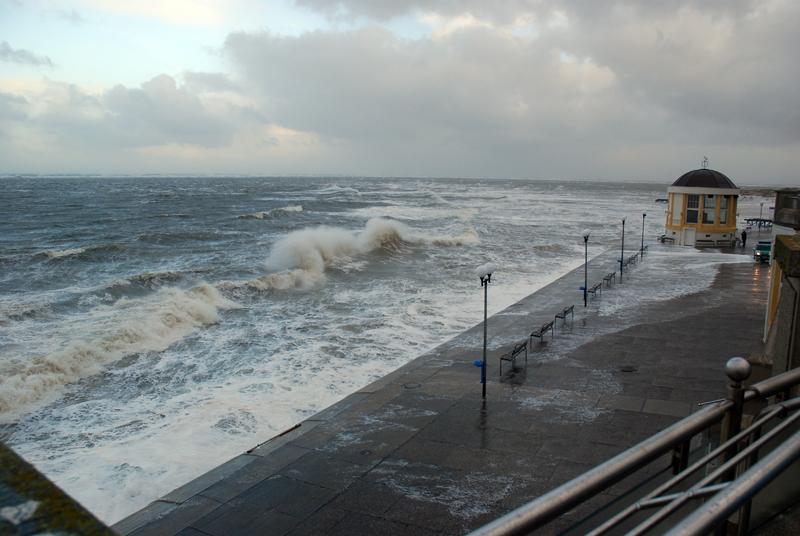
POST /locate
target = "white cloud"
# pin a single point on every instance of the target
(531, 88)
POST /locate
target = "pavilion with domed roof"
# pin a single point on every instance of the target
(702, 209)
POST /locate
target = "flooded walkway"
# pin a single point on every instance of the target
(419, 452)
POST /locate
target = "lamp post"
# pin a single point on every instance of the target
(585, 264)
(760, 214)
(484, 272)
(622, 252)
(641, 251)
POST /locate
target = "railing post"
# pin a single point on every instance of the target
(680, 456)
(737, 369)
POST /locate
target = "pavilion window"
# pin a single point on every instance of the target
(692, 206)
(723, 209)
(709, 209)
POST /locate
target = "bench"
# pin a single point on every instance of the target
(593, 289)
(664, 239)
(701, 243)
(512, 355)
(564, 312)
(539, 333)
(608, 277)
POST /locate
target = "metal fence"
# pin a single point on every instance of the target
(726, 477)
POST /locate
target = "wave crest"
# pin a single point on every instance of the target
(149, 324)
(79, 252)
(59, 253)
(314, 249)
(272, 213)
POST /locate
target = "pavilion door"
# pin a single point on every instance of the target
(688, 236)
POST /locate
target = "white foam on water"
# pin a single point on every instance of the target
(127, 327)
(60, 253)
(272, 213)
(336, 189)
(300, 259)
(204, 424)
(666, 274)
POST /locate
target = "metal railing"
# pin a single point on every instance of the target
(731, 493)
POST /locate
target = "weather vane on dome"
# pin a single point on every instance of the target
(705, 162)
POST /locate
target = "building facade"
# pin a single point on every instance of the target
(701, 209)
(784, 283)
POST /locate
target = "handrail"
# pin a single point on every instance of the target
(657, 494)
(773, 385)
(724, 503)
(549, 506)
(719, 472)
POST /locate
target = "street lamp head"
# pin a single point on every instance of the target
(623, 221)
(644, 214)
(484, 272)
(586, 233)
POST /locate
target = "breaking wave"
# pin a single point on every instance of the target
(299, 260)
(273, 213)
(316, 248)
(138, 325)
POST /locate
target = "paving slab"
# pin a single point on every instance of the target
(419, 451)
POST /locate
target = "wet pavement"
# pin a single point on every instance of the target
(419, 451)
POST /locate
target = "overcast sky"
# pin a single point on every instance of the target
(579, 89)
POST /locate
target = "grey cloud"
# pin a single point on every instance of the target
(159, 112)
(505, 11)
(731, 69)
(162, 112)
(22, 56)
(199, 82)
(384, 10)
(12, 106)
(677, 74)
(625, 89)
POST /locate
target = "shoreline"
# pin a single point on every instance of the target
(417, 375)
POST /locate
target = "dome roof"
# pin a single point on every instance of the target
(704, 178)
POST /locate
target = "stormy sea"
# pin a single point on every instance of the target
(154, 327)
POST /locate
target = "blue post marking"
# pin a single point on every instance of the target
(479, 363)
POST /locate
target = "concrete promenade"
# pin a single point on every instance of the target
(417, 452)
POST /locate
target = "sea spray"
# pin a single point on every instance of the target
(314, 249)
(134, 325)
(300, 259)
